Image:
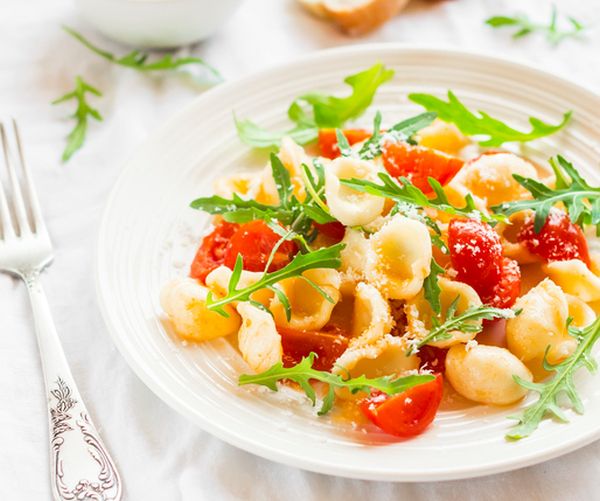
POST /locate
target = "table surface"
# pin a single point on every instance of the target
(160, 454)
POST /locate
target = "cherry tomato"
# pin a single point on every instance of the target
(505, 292)
(328, 345)
(254, 241)
(334, 230)
(475, 252)
(408, 413)
(211, 253)
(328, 140)
(418, 163)
(433, 358)
(558, 240)
(476, 255)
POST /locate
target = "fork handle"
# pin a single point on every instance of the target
(80, 465)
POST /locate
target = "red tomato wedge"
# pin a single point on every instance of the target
(408, 413)
(328, 140)
(475, 252)
(211, 253)
(328, 345)
(476, 255)
(418, 163)
(254, 241)
(558, 240)
(506, 290)
(334, 230)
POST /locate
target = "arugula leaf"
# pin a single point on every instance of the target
(469, 123)
(291, 212)
(343, 144)
(315, 110)
(401, 131)
(303, 372)
(138, 60)
(76, 137)
(255, 136)
(463, 322)
(561, 383)
(240, 210)
(524, 26)
(405, 191)
(327, 257)
(431, 287)
(581, 200)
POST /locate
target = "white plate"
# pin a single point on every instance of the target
(148, 235)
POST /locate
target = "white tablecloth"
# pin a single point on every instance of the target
(161, 455)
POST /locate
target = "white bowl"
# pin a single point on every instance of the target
(157, 23)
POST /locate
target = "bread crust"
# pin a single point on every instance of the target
(355, 19)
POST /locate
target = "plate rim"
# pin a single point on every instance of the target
(237, 439)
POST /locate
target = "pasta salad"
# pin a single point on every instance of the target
(386, 267)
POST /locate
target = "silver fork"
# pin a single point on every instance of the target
(80, 465)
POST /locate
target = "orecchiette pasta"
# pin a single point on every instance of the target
(351, 207)
(399, 257)
(580, 312)
(485, 374)
(372, 318)
(442, 136)
(292, 157)
(383, 357)
(419, 313)
(575, 278)
(240, 184)
(354, 256)
(309, 309)
(184, 301)
(218, 280)
(258, 339)
(490, 178)
(542, 323)
(508, 237)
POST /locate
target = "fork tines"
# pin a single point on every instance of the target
(20, 213)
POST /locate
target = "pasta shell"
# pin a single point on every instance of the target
(419, 312)
(309, 309)
(575, 278)
(485, 374)
(400, 257)
(542, 323)
(258, 339)
(184, 302)
(351, 207)
(490, 178)
(218, 282)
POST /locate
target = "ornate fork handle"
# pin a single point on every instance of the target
(90, 473)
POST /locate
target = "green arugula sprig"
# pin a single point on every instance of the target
(469, 123)
(303, 372)
(76, 137)
(561, 383)
(431, 287)
(524, 26)
(327, 257)
(581, 200)
(402, 131)
(404, 191)
(315, 110)
(291, 212)
(466, 321)
(138, 60)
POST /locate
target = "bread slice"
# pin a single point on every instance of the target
(355, 17)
